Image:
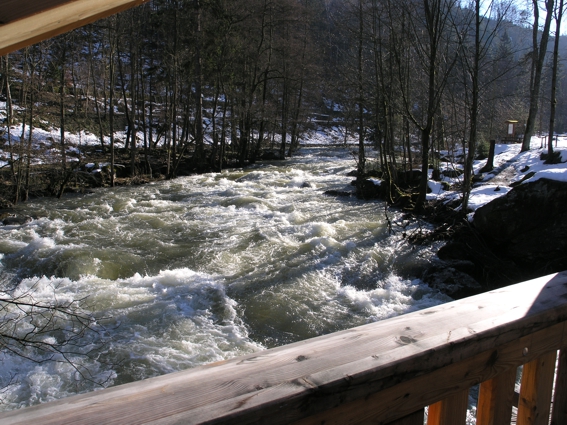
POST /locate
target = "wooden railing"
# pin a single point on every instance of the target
(380, 373)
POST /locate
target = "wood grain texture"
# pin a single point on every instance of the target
(377, 373)
(399, 400)
(451, 410)
(496, 398)
(26, 22)
(535, 391)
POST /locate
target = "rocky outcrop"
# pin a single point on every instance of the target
(453, 278)
(520, 235)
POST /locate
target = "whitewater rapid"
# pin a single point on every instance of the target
(199, 269)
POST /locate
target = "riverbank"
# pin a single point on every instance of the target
(516, 228)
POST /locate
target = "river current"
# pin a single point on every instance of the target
(190, 271)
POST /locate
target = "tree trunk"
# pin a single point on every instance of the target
(111, 77)
(199, 137)
(125, 99)
(361, 163)
(62, 112)
(553, 106)
(9, 114)
(215, 147)
(297, 110)
(95, 94)
(9, 106)
(489, 166)
(538, 59)
(285, 108)
(32, 69)
(142, 99)
(473, 112)
(223, 135)
(133, 103)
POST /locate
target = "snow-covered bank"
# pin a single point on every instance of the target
(518, 225)
(510, 166)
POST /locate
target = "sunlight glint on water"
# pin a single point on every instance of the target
(208, 267)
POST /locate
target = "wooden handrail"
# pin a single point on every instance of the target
(383, 372)
(25, 22)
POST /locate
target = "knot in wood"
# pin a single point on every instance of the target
(405, 340)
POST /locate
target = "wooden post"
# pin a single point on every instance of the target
(559, 416)
(536, 389)
(496, 398)
(452, 410)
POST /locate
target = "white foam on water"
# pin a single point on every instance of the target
(321, 229)
(149, 325)
(395, 296)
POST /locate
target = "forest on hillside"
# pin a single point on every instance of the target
(200, 85)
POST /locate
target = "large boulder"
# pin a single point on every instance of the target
(528, 226)
(518, 236)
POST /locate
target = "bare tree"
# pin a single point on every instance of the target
(539, 51)
(558, 17)
(199, 133)
(433, 43)
(112, 43)
(484, 33)
(361, 161)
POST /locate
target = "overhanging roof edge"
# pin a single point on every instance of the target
(40, 23)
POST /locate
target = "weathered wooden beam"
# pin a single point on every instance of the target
(378, 373)
(26, 22)
(398, 400)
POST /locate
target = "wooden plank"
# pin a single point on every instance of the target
(451, 410)
(26, 22)
(496, 398)
(413, 419)
(535, 391)
(559, 415)
(379, 372)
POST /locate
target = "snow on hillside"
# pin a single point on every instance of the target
(510, 165)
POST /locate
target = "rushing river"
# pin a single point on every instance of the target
(203, 268)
